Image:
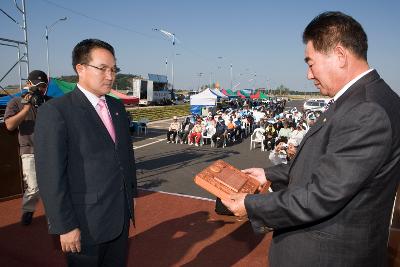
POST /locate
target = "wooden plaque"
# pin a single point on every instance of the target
(222, 180)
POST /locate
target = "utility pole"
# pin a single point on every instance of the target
(47, 43)
(172, 37)
(166, 66)
(231, 76)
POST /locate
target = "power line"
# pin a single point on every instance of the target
(207, 59)
(201, 57)
(100, 20)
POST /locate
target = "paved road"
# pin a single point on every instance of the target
(172, 167)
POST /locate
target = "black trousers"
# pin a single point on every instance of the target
(174, 133)
(112, 253)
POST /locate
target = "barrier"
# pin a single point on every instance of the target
(11, 184)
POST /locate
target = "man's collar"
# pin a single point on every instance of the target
(90, 96)
(347, 86)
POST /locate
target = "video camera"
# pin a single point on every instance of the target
(36, 99)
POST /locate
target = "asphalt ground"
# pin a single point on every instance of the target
(172, 167)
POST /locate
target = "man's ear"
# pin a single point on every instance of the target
(342, 55)
(79, 69)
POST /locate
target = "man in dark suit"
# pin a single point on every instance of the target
(85, 163)
(332, 205)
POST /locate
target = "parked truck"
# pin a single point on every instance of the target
(151, 91)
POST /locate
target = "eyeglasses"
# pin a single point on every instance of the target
(105, 69)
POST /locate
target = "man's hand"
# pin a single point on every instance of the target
(257, 173)
(235, 203)
(26, 100)
(71, 241)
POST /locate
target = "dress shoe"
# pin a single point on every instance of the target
(26, 218)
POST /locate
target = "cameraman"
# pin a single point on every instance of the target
(21, 113)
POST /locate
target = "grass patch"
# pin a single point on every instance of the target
(158, 112)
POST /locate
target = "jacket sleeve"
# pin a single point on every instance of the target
(131, 154)
(357, 149)
(51, 157)
(278, 175)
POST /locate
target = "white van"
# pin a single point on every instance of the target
(315, 105)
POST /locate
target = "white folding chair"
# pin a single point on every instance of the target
(210, 131)
(257, 137)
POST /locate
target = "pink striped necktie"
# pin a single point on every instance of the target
(106, 118)
(329, 103)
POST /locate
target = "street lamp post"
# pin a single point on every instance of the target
(231, 76)
(172, 71)
(166, 66)
(200, 74)
(174, 40)
(219, 71)
(47, 43)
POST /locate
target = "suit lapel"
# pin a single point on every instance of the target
(322, 120)
(90, 112)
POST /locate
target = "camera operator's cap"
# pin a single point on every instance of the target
(37, 77)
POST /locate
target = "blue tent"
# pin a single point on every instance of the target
(4, 100)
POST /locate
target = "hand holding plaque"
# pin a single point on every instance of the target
(223, 180)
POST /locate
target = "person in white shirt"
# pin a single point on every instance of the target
(173, 129)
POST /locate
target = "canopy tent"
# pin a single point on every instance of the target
(58, 88)
(263, 95)
(245, 93)
(218, 93)
(239, 94)
(4, 100)
(256, 95)
(204, 99)
(127, 100)
(229, 93)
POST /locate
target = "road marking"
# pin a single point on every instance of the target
(159, 140)
(176, 194)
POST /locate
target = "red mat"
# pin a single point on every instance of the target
(170, 230)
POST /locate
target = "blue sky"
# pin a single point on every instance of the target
(261, 39)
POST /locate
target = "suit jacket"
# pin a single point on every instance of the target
(86, 180)
(333, 203)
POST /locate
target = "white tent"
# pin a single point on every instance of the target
(204, 99)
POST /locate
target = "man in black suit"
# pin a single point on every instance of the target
(332, 205)
(85, 163)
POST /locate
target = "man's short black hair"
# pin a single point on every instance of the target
(81, 52)
(331, 28)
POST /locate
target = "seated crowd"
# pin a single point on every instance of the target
(282, 130)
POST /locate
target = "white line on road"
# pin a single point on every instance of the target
(179, 195)
(159, 140)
